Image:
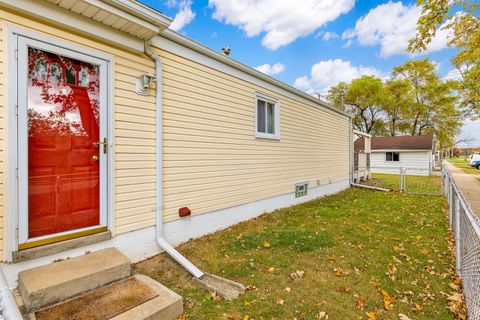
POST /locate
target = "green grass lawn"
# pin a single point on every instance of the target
(349, 254)
(463, 164)
(413, 184)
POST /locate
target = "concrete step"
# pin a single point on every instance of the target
(114, 301)
(46, 285)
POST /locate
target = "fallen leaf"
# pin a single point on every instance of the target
(280, 302)
(401, 316)
(287, 289)
(338, 272)
(246, 317)
(322, 315)
(271, 269)
(387, 300)
(266, 244)
(297, 274)
(425, 252)
(361, 303)
(371, 315)
(418, 307)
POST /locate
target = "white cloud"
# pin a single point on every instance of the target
(328, 73)
(271, 70)
(330, 35)
(184, 16)
(282, 21)
(392, 25)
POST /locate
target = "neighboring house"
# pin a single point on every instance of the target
(392, 154)
(95, 152)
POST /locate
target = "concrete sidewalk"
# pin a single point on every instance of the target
(469, 185)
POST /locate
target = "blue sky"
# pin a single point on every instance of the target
(309, 44)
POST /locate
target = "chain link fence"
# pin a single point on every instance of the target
(466, 229)
(414, 180)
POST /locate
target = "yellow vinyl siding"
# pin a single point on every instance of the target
(212, 159)
(134, 126)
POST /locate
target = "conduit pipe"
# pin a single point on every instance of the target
(9, 308)
(177, 256)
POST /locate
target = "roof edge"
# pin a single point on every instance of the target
(142, 11)
(196, 46)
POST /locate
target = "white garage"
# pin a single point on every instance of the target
(413, 154)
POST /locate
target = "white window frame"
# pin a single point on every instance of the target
(306, 185)
(275, 102)
(392, 152)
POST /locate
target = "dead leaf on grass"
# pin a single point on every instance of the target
(280, 302)
(297, 274)
(371, 315)
(322, 315)
(266, 244)
(387, 300)
(456, 304)
(401, 316)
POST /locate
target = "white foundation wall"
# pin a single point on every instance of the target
(415, 162)
(141, 244)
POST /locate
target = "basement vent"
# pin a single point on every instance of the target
(301, 189)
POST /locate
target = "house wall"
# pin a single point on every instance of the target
(212, 159)
(416, 162)
(134, 128)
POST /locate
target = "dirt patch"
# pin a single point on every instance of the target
(373, 182)
(101, 304)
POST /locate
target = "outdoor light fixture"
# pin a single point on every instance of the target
(143, 83)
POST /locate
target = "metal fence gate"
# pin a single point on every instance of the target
(466, 229)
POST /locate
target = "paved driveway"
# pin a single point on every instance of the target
(469, 185)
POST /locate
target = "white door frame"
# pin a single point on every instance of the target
(17, 192)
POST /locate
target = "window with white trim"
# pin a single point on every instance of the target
(267, 117)
(301, 189)
(392, 156)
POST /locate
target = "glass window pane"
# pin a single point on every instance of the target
(261, 116)
(83, 78)
(55, 72)
(270, 118)
(396, 156)
(71, 76)
(389, 156)
(40, 70)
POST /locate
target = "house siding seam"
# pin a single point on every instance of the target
(134, 127)
(212, 159)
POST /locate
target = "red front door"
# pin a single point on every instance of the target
(63, 152)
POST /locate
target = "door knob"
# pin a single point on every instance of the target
(95, 157)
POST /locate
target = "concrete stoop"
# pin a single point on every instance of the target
(60, 282)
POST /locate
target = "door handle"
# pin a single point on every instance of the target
(104, 143)
(95, 157)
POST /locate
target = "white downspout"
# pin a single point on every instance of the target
(159, 160)
(9, 309)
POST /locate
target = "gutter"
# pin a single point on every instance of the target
(198, 47)
(177, 256)
(9, 309)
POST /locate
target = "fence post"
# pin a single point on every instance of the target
(458, 253)
(452, 205)
(450, 209)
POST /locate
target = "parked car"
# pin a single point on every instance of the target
(474, 160)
